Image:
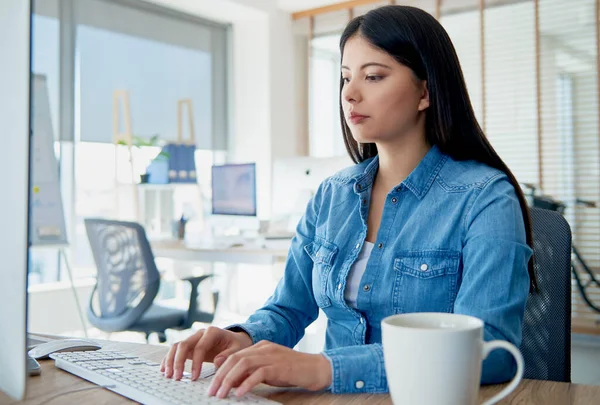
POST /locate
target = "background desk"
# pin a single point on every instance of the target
(251, 253)
(54, 381)
(207, 253)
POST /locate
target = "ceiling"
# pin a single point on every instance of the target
(298, 5)
(576, 17)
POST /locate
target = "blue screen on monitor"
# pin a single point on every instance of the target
(234, 189)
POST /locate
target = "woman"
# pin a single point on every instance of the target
(429, 219)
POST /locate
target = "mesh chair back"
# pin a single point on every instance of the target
(546, 344)
(127, 278)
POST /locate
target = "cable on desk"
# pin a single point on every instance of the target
(74, 391)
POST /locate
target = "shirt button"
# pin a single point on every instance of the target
(364, 201)
(380, 246)
(367, 287)
(398, 189)
(359, 384)
(358, 187)
(357, 245)
(424, 267)
(339, 286)
(394, 200)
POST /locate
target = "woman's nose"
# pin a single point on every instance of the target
(350, 93)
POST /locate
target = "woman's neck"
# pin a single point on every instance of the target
(397, 161)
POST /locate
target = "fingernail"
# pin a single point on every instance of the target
(211, 390)
(221, 393)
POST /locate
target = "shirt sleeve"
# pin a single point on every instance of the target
(357, 369)
(292, 307)
(495, 280)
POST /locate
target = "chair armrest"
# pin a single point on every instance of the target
(193, 313)
(196, 279)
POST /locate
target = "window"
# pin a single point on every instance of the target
(325, 130)
(159, 56)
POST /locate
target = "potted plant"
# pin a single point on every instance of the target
(139, 142)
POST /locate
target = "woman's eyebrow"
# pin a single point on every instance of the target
(369, 64)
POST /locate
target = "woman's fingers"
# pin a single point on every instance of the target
(169, 360)
(183, 350)
(223, 356)
(258, 376)
(226, 368)
(205, 344)
(238, 372)
(179, 353)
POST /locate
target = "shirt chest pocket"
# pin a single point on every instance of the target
(425, 281)
(323, 255)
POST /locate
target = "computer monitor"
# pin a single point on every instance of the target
(15, 46)
(234, 208)
(296, 180)
(234, 189)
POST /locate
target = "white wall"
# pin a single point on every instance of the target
(266, 114)
(250, 139)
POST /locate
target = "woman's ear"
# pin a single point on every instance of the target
(424, 102)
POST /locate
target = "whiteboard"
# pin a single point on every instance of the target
(47, 220)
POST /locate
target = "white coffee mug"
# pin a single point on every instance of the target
(435, 359)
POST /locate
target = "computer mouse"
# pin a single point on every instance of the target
(44, 350)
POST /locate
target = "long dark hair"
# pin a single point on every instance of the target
(418, 41)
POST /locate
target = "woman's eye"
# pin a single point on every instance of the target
(374, 78)
(345, 79)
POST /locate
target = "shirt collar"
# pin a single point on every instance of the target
(420, 179)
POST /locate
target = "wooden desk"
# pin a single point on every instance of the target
(54, 381)
(251, 253)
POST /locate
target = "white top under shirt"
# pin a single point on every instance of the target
(356, 273)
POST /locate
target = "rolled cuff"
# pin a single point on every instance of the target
(357, 369)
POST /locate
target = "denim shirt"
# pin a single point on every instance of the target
(451, 239)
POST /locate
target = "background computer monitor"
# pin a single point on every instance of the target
(14, 165)
(234, 189)
(296, 180)
(234, 208)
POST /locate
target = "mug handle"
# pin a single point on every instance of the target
(502, 344)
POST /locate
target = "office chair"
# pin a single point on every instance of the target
(546, 344)
(127, 282)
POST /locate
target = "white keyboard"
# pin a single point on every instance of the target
(141, 380)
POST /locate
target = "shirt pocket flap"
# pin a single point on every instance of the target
(427, 263)
(321, 251)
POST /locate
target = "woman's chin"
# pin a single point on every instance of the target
(365, 139)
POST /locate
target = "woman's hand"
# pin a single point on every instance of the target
(272, 364)
(212, 345)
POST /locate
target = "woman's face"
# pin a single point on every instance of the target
(382, 99)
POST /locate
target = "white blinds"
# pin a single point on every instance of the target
(159, 56)
(570, 136)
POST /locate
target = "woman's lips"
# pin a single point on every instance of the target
(357, 118)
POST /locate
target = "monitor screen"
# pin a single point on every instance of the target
(234, 189)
